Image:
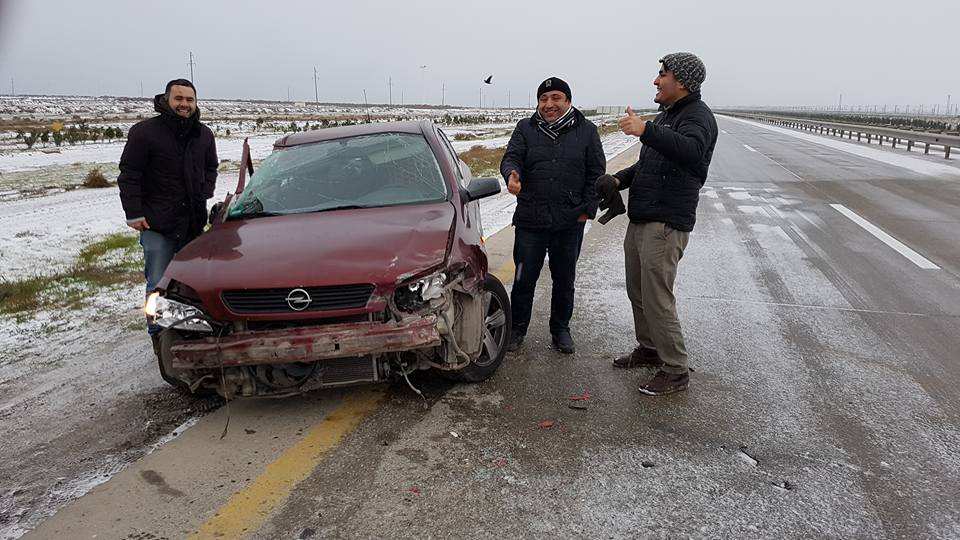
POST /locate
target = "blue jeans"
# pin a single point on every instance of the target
(158, 251)
(530, 246)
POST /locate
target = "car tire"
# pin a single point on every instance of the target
(165, 362)
(496, 334)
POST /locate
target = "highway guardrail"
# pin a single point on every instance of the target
(870, 133)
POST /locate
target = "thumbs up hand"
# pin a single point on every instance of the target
(631, 124)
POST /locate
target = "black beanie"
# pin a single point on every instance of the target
(554, 83)
(687, 69)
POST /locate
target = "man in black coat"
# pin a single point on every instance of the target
(551, 164)
(168, 170)
(662, 206)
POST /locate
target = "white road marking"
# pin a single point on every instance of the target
(748, 147)
(723, 131)
(897, 245)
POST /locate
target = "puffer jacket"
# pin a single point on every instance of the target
(168, 170)
(557, 177)
(677, 148)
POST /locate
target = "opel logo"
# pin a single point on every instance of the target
(298, 300)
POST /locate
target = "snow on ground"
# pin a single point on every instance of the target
(227, 148)
(913, 163)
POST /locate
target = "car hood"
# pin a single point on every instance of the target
(370, 245)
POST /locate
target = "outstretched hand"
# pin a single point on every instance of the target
(631, 124)
(513, 182)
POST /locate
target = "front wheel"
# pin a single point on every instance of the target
(496, 333)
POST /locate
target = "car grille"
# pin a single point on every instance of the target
(275, 300)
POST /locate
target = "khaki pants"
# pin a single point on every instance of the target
(652, 251)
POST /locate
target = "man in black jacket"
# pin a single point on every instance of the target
(168, 170)
(662, 206)
(551, 164)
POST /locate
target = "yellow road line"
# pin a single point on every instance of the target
(246, 511)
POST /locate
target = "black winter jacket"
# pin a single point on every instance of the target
(168, 170)
(558, 177)
(677, 148)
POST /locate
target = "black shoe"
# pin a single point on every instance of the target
(563, 341)
(639, 357)
(664, 383)
(516, 341)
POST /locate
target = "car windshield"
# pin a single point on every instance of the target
(357, 172)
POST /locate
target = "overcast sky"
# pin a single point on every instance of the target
(762, 52)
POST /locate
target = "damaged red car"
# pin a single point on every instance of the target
(353, 255)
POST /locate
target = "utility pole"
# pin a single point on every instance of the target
(316, 89)
(443, 94)
(191, 67)
(13, 90)
(481, 97)
(840, 105)
(390, 89)
(948, 104)
(141, 87)
(423, 84)
(508, 99)
(288, 93)
(365, 105)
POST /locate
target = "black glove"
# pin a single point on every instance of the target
(606, 188)
(615, 205)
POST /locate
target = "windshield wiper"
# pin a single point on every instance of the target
(256, 215)
(338, 207)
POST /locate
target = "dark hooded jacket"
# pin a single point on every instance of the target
(677, 148)
(168, 170)
(557, 177)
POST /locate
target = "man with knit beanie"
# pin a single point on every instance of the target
(664, 189)
(551, 164)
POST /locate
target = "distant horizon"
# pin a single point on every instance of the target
(863, 109)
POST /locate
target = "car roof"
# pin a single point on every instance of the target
(327, 134)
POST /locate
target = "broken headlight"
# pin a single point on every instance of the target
(170, 313)
(415, 294)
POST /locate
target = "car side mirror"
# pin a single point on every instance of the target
(478, 188)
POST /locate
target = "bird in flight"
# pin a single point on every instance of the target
(488, 79)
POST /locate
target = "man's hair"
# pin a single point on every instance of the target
(179, 82)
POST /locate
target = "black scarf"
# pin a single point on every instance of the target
(558, 126)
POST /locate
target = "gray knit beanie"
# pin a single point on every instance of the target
(687, 69)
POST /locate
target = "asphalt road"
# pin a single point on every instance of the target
(824, 402)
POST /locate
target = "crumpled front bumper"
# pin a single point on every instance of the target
(307, 343)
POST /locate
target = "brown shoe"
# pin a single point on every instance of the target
(664, 383)
(640, 357)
